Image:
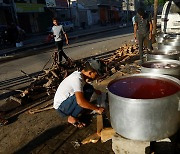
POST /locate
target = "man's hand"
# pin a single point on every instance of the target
(100, 110)
(67, 42)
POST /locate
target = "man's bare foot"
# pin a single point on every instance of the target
(75, 122)
(72, 120)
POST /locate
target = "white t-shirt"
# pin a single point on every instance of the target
(58, 31)
(133, 20)
(71, 84)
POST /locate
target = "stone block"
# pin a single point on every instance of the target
(122, 145)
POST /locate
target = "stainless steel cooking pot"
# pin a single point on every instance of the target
(168, 47)
(173, 36)
(161, 37)
(173, 42)
(145, 107)
(163, 55)
(168, 67)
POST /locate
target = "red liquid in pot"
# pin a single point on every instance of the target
(143, 88)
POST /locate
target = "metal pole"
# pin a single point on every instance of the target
(77, 13)
(155, 16)
(127, 4)
(69, 5)
(14, 12)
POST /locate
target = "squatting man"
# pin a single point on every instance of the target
(74, 93)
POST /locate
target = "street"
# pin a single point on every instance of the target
(80, 48)
(46, 132)
(31, 133)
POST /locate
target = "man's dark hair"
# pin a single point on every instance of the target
(55, 18)
(141, 12)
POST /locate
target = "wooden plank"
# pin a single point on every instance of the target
(106, 134)
(92, 138)
(99, 124)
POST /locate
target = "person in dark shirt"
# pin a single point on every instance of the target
(143, 27)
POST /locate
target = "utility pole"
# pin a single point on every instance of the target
(127, 5)
(127, 9)
(155, 16)
(69, 5)
(14, 13)
(77, 10)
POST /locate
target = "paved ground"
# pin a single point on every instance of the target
(39, 40)
(46, 132)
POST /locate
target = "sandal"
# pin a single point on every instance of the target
(79, 124)
(3, 122)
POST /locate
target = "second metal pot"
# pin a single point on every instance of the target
(167, 67)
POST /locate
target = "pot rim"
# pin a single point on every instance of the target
(157, 76)
(162, 61)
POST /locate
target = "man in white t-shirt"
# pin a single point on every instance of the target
(58, 33)
(73, 94)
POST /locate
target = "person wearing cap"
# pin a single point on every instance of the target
(74, 93)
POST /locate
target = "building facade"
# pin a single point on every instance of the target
(7, 14)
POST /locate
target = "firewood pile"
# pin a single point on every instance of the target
(120, 57)
(46, 84)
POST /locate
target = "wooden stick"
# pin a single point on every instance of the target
(16, 99)
(54, 74)
(96, 136)
(106, 134)
(99, 124)
(92, 138)
(40, 110)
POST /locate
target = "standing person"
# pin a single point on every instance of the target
(58, 31)
(143, 26)
(74, 93)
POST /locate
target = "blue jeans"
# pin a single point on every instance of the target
(70, 107)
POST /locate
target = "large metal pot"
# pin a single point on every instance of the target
(173, 36)
(168, 67)
(163, 55)
(141, 110)
(160, 38)
(168, 47)
(173, 42)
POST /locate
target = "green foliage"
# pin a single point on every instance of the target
(162, 2)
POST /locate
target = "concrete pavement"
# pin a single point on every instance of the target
(40, 40)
